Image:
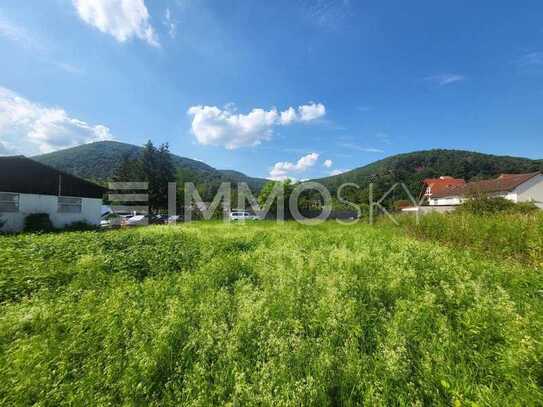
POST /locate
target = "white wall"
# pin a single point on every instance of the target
(456, 200)
(423, 210)
(531, 190)
(451, 200)
(512, 196)
(29, 203)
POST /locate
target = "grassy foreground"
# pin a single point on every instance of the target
(506, 236)
(264, 314)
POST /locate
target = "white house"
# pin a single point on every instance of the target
(28, 187)
(436, 187)
(514, 187)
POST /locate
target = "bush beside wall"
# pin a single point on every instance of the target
(80, 227)
(38, 222)
(487, 205)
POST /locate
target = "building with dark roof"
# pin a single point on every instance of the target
(28, 187)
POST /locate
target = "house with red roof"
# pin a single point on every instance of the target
(436, 187)
(514, 187)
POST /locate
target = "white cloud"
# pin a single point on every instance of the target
(33, 43)
(73, 69)
(327, 14)
(327, 163)
(372, 150)
(337, 172)
(29, 128)
(213, 126)
(531, 59)
(289, 116)
(311, 112)
(283, 170)
(225, 127)
(445, 79)
(170, 24)
(16, 33)
(123, 19)
(352, 146)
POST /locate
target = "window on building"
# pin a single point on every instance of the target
(69, 205)
(9, 202)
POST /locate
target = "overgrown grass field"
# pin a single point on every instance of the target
(265, 314)
(507, 236)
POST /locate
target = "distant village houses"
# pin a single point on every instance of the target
(449, 191)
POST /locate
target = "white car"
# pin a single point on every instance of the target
(124, 218)
(110, 220)
(174, 219)
(242, 215)
(138, 220)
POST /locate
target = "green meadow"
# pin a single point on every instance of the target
(276, 315)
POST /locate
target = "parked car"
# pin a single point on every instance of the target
(148, 219)
(138, 220)
(175, 218)
(242, 215)
(124, 218)
(159, 219)
(110, 220)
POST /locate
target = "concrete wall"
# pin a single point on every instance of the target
(28, 204)
(531, 191)
(452, 200)
(423, 210)
(512, 196)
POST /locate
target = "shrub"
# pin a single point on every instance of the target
(38, 222)
(484, 204)
(487, 205)
(526, 207)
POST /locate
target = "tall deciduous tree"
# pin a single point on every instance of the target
(268, 189)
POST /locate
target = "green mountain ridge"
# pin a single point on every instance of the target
(98, 161)
(412, 168)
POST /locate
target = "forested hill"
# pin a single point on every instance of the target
(99, 161)
(412, 168)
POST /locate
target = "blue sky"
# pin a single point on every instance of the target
(274, 89)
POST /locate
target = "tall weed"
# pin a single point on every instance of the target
(265, 314)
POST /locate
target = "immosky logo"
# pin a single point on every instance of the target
(134, 194)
